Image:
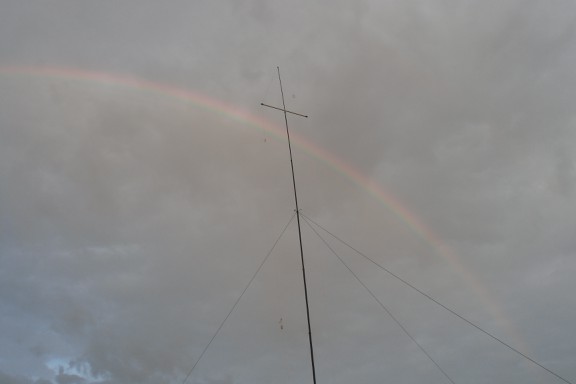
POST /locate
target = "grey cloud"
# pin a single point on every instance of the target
(130, 221)
(65, 378)
(8, 379)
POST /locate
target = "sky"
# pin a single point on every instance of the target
(142, 184)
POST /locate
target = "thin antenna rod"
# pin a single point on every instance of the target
(280, 109)
(298, 221)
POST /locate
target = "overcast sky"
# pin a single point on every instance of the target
(141, 185)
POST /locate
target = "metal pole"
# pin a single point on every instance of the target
(299, 231)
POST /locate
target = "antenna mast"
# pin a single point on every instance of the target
(283, 109)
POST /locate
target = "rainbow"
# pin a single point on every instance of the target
(393, 204)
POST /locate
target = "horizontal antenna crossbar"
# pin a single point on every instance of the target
(284, 110)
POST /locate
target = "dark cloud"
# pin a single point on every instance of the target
(8, 379)
(64, 378)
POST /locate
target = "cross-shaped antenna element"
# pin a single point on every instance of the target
(298, 220)
(285, 110)
(283, 104)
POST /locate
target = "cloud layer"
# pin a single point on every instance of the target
(130, 220)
